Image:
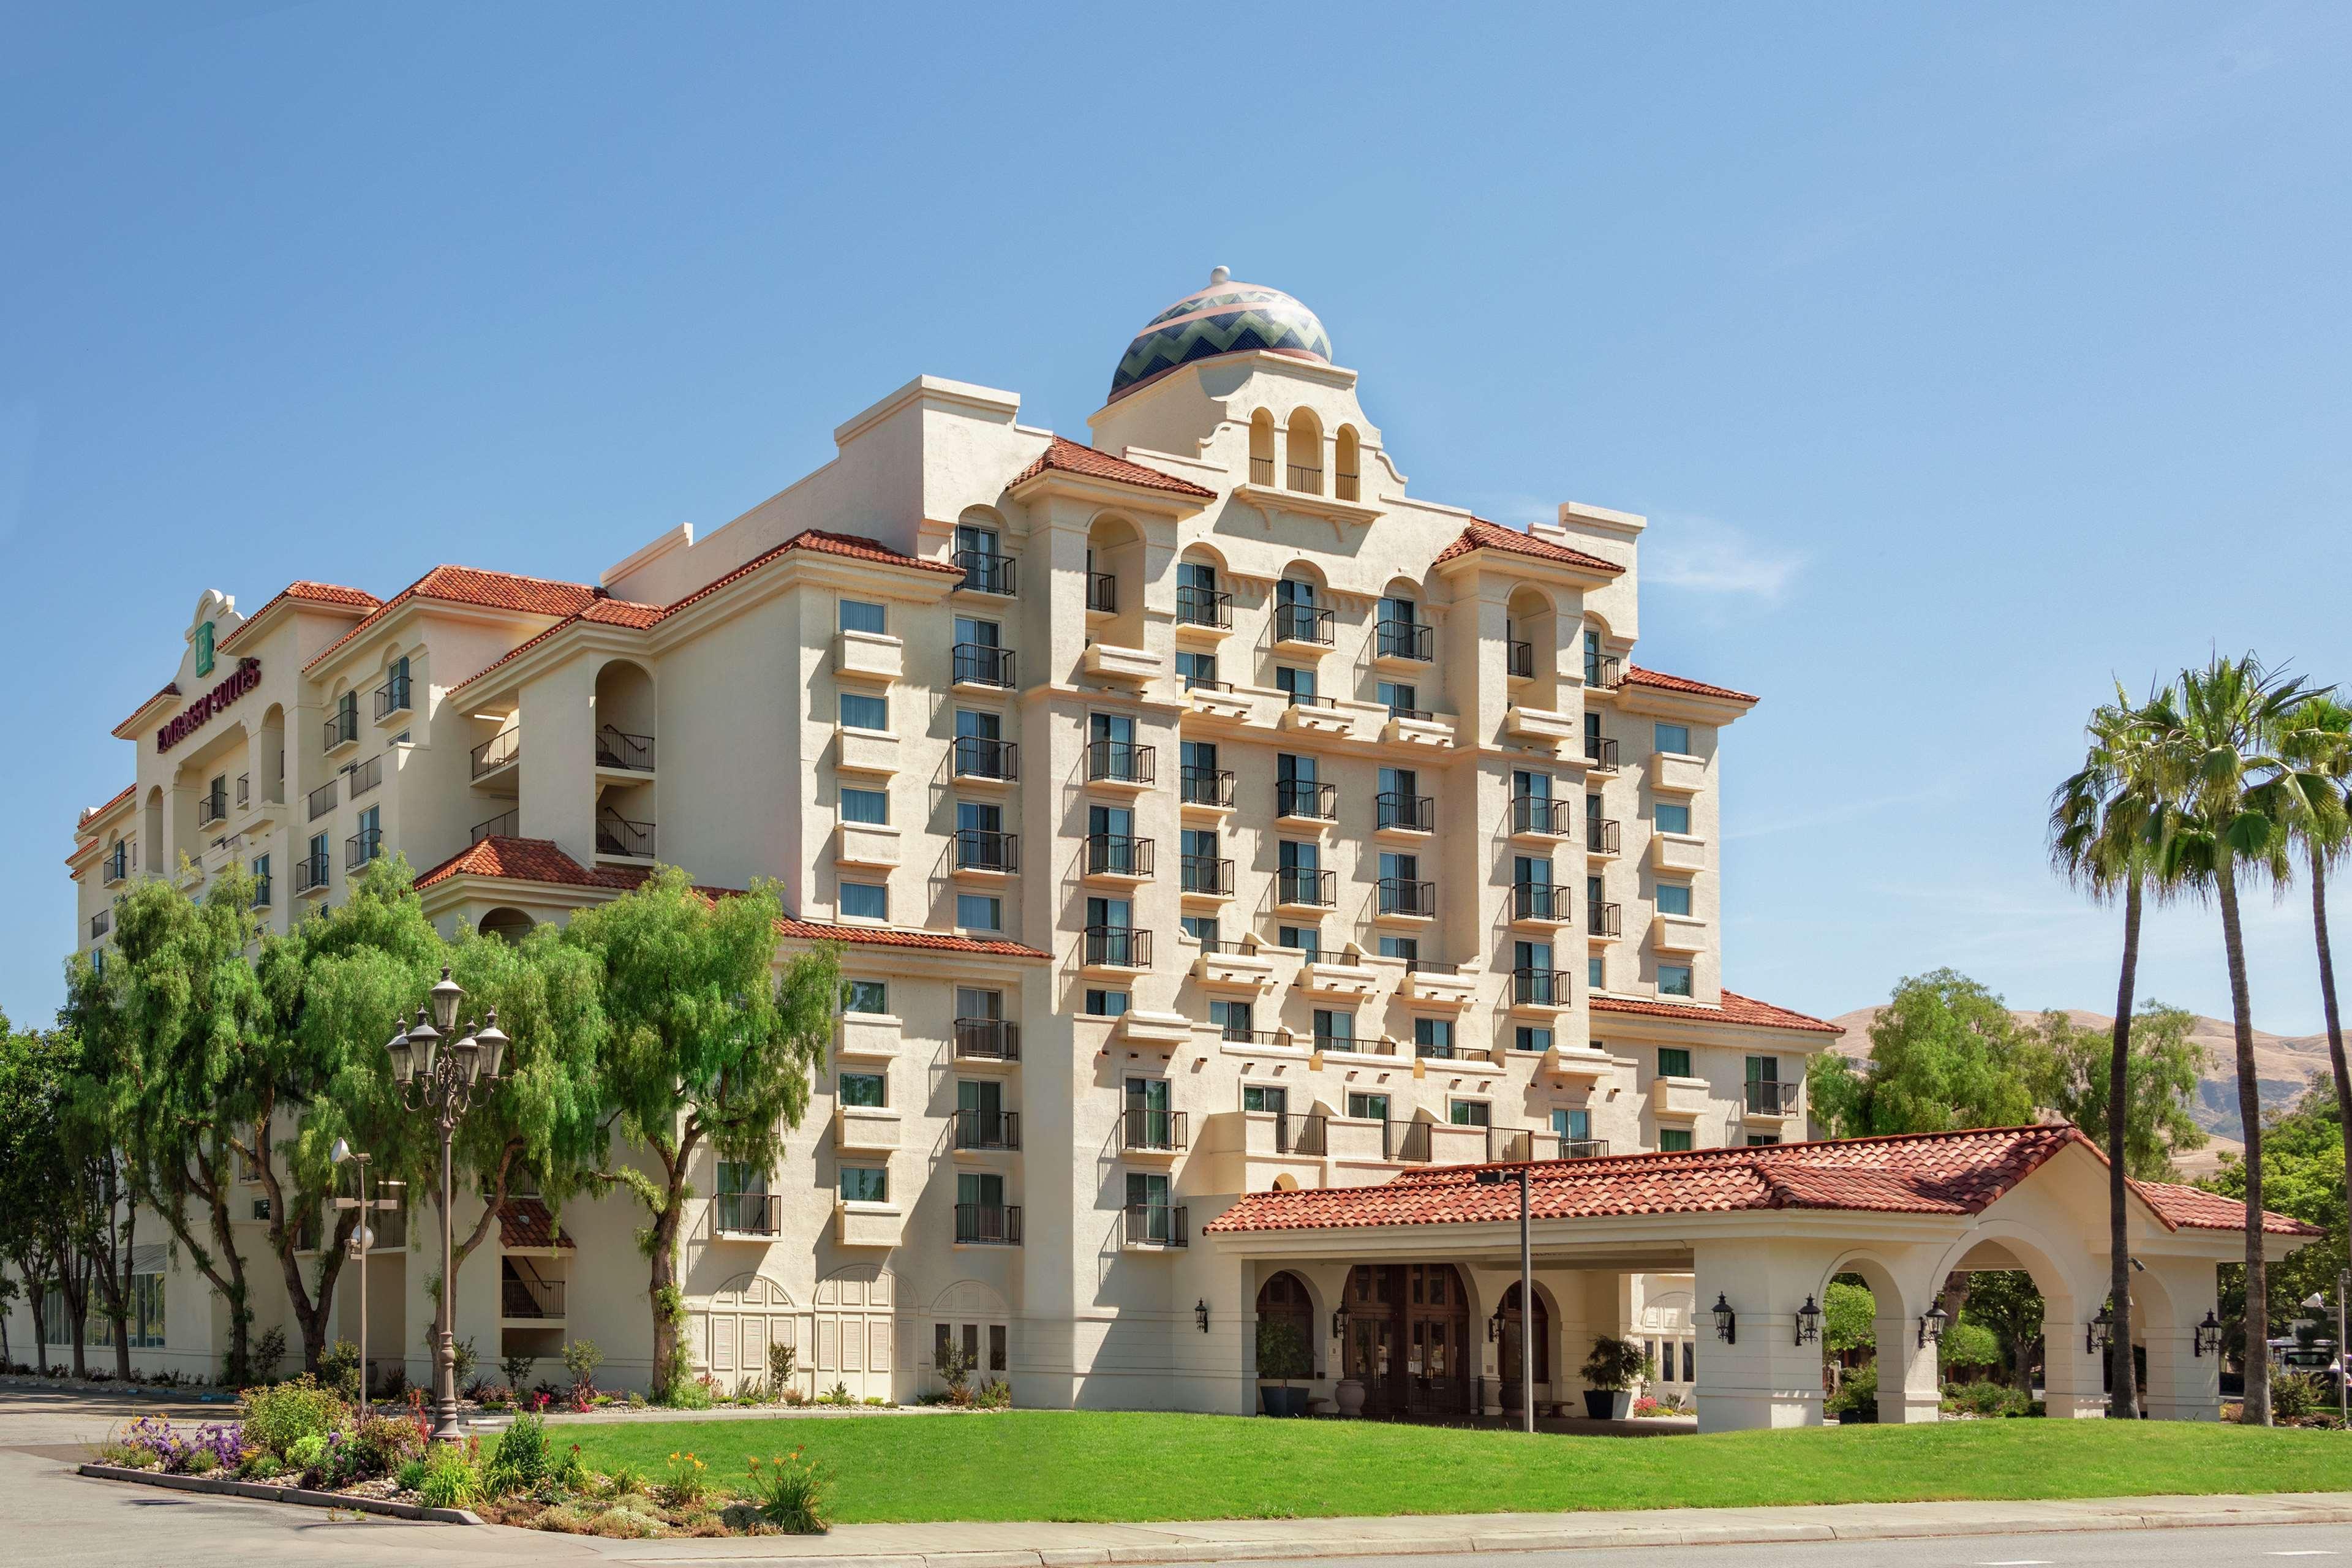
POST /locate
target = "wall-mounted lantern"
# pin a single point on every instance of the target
(1201, 1315)
(1727, 1321)
(2207, 1340)
(1809, 1323)
(1932, 1324)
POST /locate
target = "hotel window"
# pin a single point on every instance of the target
(862, 1089)
(1673, 898)
(865, 996)
(1675, 980)
(1234, 1020)
(1674, 737)
(1576, 1126)
(1673, 1062)
(1201, 928)
(1531, 1037)
(980, 911)
(1469, 1113)
(1674, 1141)
(1105, 1003)
(1762, 1139)
(1196, 669)
(864, 805)
(1432, 1037)
(1269, 1097)
(1398, 698)
(1307, 940)
(1367, 1106)
(865, 901)
(865, 1184)
(863, 710)
(858, 616)
(1294, 683)
(1671, 818)
(1406, 947)
(1334, 1030)
(1594, 968)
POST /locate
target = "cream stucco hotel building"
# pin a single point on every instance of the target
(1200, 814)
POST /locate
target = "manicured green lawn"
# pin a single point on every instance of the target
(1133, 1467)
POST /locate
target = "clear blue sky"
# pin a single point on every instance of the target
(1964, 358)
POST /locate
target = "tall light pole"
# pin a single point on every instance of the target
(2318, 1303)
(444, 1083)
(1490, 1177)
(362, 1241)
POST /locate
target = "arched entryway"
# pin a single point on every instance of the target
(854, 1324)
(1283, 1298)
(730, 1335)
(1515, 1338)
(1409, 1338)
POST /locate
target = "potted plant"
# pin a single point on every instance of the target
(1611, 1373)
(1281, 1355)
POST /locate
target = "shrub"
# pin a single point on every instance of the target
(837, 1394)
(411, 1473)
(694, 1394)
(955, 1364)
(2294, 1395)
(690, 1479)
(269, 1354)
(1617, 1364)
(262, 1467)
(581, 1359)
(572, 1471)
(448, 1480)
(1856, 1399)
(782, 1365)
(202, 1462)
(1281, 1350)
(339, 1369)
(519, 1462)
(995, 1395)
(624, 1479)
(384, 1444)
(493, 1395)
(1983, 1399)
(517, 1369)
(277, 1417)
(791, 1491)
(307, 1453)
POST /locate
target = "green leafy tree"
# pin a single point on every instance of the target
(2166, 1064)
(703, 1045)
(2006, 1303)
(32, 1189)
(1944, 1053)
(99, 1159)
(2302, 1175)
(1967, 1345)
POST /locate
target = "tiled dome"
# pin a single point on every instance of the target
(1225, 318)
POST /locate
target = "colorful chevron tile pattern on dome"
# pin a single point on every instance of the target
(1224, 318)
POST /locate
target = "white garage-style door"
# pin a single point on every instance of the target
(854, 1325)
(742, 1319)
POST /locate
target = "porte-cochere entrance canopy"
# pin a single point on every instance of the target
(1762, 1230)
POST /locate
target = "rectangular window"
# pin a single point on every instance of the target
(1762, 1139)
(865, 901)
(1196, 669)
(862, 711)
(864, 805)
(1674, 1141)
(858, 615)
(1674, 737)
(1105, 1003)
(1294, 683)
(1469, 1112)
(1574, 1125)
(1594, 968)
(1764, 1070)
(1398, 698)
(980, 911)
(1201, 928)
(1233, 1019)
(1432, 1037)
(1270, 1097)
(1406, 947)
(861, 1089)
(1334, 1030)
(1690, 1361)
(1307, 940)
(1531, 1037)
(977, 633)
(1671, 818)
(1673, 898)
(1367, 1106)
(1675, 980)
(865, 996)
(1673, 1062)
(865, 1184)
(973, 1003)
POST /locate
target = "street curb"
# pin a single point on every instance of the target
(262, 1491)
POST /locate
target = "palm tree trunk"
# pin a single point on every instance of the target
(2256, 1411)
(2123, 1383)
(2335, 1021)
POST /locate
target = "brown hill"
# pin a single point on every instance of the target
(2283, 1065)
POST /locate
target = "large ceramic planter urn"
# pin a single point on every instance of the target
(1277, 1400)
(1348, 1395)
(1607, 1403)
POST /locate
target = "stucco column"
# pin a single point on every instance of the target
(1763, 1378)
(2071, 1382)
(2181, 1384)
(1909, 1385)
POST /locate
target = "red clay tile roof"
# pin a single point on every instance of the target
(90, 811)
(171, 690)
(518, 860)
(529, 1222)
(641, 617)
(471, 585)
(1483, 535)
(2194, 1208)
(310, 593)
(1068, 456)
(1636, 676)
(1735, 1009)
(883, 936)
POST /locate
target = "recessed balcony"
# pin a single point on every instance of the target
(1304, 628)
(1541, 906)
(495, 759)
(1519, 659)
(210, 807)
(984, 572)
(391, 699)
(1602, 920)
(1603, 672)
(1600, 835)
(622, 837)
(1601, 754)
(1102, 593)
(1118, 858)
(342, 728)
(617, 751)
(1404, 645)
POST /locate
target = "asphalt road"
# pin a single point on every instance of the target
(2276, 1546)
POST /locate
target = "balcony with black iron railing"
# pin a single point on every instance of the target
(1603, 672)
(1307, 887)
(392, 698)
(310, 874)
(1519, 658)
(1600, 835)
(985, 571)
(618, 835)
(987, 1224)
(1313, 699)
(532, 1299)
(1766, 1098)
(212, 806)
(498, 752)
(264, 889)
(367, 775)
(1118, 947)
(1540, 816)
(1121, 763)
(1311, 625)
(1405, 1142)
(1205, 787)
(748, 1214)
(978, 664)
(1415, 640)
(1418, 715)
(1207, 875)
(1157, 1224)
(987, 1040)
(1430, 966)
(1102, 593)
(980, 850)
(1539, 987)
(978, 757)
(1346, 1044)
(1146, 1130)
(1541, 901)
(1583, 1148)
(101, 923)
(1308, 800)
(1306, 479)
(1604, 918)
(1400, 813)
(243, 790)
(1600, 752)
(505, 825)
(362, 847)
(1119, 855)
(616, 748)
(117, 863)
(342, 728)
(1197, 606)
(987, 1130)
(1404, 898)
(1301, 1133)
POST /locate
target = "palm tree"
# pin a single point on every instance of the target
(2108, 826)
(2317, 795)
(2219, 750)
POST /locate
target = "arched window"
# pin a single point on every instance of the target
(1305, 452)
(1201, 601)
(1348, 464)
(1284, 1300)
(1262, 449)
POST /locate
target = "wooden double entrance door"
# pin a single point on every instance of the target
(1409, 1338)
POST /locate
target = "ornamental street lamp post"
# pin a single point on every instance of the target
(362, 1241)
(443, 1084)
(2318, 1303)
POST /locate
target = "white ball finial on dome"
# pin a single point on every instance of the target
(1218, 275)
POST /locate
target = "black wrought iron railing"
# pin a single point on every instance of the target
(1601, 834)
(362, 847)
(1119, 855)
(1310, 799)
(1310, 623)
(1519, 658)
(101, 923)
(1405, 639)
(1102, 593)
(1601, 919)
(748, 1214)
(985, 572)
(1306, 887)
(1600, 750)
(1603, 671)
(1262, 471)
(1540, 813)
(118, 863)
(1158, 1131)
(1405, 1140)
(392, 697)
(1767, 1098)
(1121, 762)
(1301, 1133)
(1539, 987)
(342, 727)
(616, 748)
(367, 775)
(212, 806)
(618, 835)
(1404, 896)
(264, 889)
(1197, 606)
(987, 1040)
(1118, 947)
(1156, 1224)
(505, 825)
(1538, 901)
(988, 1129)
(978, 664)
(980, 850)
(310, 873)
(978, 757)
(1303, 478)
(495, 752)
(1413, 813)
(1207, 874)
(1205, 787)
(987, 1224)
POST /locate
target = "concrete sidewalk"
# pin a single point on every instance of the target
(1044, 1545)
